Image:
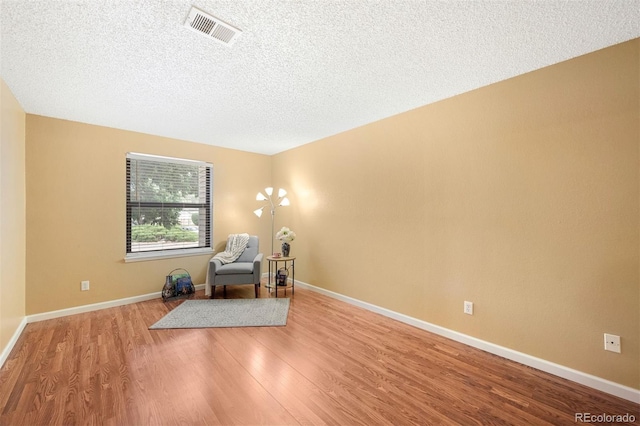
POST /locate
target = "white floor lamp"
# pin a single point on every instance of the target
(282, 200)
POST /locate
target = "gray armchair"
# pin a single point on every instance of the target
(245, 270)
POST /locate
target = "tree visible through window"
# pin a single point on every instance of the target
(169, 204)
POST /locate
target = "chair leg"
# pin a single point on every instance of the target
(213, 292)
(224, 291)
(257, 286)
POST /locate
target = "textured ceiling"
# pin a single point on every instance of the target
(301, 70)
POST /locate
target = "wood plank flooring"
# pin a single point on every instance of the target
(332, 364)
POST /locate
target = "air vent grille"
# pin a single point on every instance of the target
(211, 27)
(203, 24)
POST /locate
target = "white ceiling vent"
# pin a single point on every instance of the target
(211, 27)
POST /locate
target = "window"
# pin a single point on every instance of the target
(169, 206)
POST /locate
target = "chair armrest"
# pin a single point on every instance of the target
(214, 264)
(257, 268)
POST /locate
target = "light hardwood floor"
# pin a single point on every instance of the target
(332, 363)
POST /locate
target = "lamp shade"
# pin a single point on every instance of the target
(260, 197)
(269, 191)
(284, 202)
(281, 193)
(258, 212)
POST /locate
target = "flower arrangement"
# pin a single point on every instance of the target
(286, 235)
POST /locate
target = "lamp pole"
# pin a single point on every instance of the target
(273, 217)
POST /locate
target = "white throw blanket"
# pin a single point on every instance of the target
(236, 243)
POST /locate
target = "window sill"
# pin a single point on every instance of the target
(144, 256)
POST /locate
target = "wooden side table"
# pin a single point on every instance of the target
(273, 267)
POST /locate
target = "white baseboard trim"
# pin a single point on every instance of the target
(586, 379)
(97, 306)
(12, 342)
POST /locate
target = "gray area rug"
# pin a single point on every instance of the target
(226, 313)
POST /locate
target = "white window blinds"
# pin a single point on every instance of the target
(169, 204)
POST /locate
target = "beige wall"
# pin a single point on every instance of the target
(12, 215)
(75, 178)
(522, 197)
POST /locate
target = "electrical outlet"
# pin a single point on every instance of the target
(612, 343)
(468, 308)
(84, 285)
